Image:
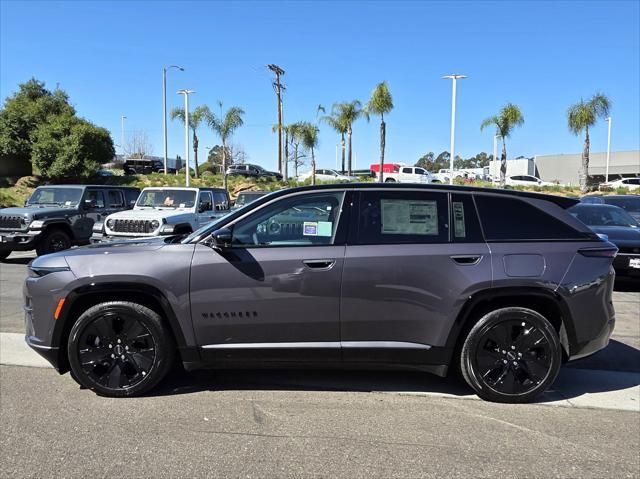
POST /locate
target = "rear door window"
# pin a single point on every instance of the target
(464, 220)
(512, 219)
(115, 199)
(395, 217)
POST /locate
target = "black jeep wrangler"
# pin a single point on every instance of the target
(56, 217)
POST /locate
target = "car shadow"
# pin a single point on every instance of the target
(627, 285)
(11, 260)
(616, 369)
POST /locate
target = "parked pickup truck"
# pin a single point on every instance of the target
(55, 217)
(164, 211)
(406, 174)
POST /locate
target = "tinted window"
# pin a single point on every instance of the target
(206, 203)
(464, 220)
(513, 219)
(630, 203)
(301, 220)
(390, 217)
(95, 196)
(132, 196)
(221, 201)
(407, 170)
(603, 216)
(115, 199)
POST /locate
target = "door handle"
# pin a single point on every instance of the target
(467, 260)
(319, 264)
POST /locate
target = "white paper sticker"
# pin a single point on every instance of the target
(310, 228)
(458, 220)
(409, 217)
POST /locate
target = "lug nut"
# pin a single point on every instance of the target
(513, 347)
(113, 355)
(504, 352)
(126, 348)
(110, 346)
(122, 357)
(519, 355)
(119, 340)
(504, 361)
(515, 363)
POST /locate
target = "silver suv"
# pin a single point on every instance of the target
(164, 211)
(502, 285)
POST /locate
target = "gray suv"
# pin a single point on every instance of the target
(55, 217)
(502, 285)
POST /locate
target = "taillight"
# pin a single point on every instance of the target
(607, 252)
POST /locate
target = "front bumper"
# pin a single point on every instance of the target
(51, 354)
(101, 238)
(18, 241)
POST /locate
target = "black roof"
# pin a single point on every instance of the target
(561, 201)
(103, 187)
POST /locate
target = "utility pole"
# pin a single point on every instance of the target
(278, 87)
(122, 119)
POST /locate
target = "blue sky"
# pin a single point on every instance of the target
(541, 55)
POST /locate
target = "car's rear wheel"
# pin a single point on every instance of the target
(511, 355)
(53, 241)
(120, 349)
(389, 180)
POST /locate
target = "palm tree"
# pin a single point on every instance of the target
(309, 134)
(347, 113)
(340, 126)
(505, 121)
(581, 116)
(380, 103)
(224, 126)
(195, 118)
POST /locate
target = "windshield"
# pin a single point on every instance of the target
(604, 216)
(55, 196)
(627, 204)
(166, 198)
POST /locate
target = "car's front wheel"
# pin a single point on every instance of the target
(54, 240)
(119, 349)
(511, 355)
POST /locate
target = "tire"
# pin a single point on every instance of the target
(389, 180)
(108, 332)
(54, 240)
(511, 355)
(4, 255)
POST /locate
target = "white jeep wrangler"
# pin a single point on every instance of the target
(164, 211)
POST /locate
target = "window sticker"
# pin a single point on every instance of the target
(325, 228)
(458, 220)
(409, 217)
(310, 228)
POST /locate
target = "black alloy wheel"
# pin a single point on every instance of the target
(511, 355)
(53, 241)
(120, 349)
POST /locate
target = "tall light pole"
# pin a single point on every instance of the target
(278, 87)
(186, 131)
(455, 77)
(606, 174)
(164, 109)
(122, 119)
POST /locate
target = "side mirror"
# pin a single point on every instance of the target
(221, 238)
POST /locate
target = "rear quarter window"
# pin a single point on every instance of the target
(512, 219)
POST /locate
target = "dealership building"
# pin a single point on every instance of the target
(565, 168)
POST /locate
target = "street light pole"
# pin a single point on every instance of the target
(164, 109)
(453, 77)
(122, 119)
(495, 146)
(186, 132)
(606, 175)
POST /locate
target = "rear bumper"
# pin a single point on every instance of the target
(601, 341)
(627, 264)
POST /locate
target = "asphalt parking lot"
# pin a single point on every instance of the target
(320, 423)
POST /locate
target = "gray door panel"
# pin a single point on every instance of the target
(267, 295)
(408, 293)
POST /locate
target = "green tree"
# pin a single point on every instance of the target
(505, 122)
(196, 117)
(340, 126)
(68, 147)
(225, 125)
(381, 102)
(580, 117)
(348, 113)
(426, 161)
(309, 134)
(295, 140)
(20, 117)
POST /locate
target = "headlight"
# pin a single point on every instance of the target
(155, 224)
(110, 224)
(167, 228)
(98, 227)
(37, 224)
(37, 272)
(25, 220)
